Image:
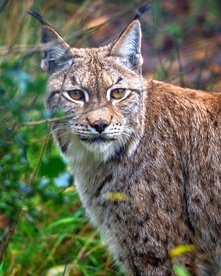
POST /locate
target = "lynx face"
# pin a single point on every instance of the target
(101, 91)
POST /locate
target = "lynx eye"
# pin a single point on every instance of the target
(117, 94)
(75, 95)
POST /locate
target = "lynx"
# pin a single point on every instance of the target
(146, 155)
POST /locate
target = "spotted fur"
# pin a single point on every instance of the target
(160, 150)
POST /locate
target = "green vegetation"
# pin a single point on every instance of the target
(41, 219)
(42, 223)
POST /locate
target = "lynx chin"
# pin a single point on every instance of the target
(146, 155)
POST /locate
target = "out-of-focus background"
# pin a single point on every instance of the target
(43, 228)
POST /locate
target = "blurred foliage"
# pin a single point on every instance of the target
(42, 223)
(51, 228)
(180, 270)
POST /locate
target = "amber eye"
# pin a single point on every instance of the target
(76, 95)
(117, 93)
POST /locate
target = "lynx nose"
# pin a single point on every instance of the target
(100, 125)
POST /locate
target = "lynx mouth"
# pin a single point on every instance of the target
(97, 139)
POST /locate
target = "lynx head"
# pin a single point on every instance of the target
(101, 91)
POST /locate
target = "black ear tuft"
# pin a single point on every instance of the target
(56, 53)
(39, 17)
(141, 10)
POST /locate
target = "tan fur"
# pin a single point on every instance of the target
(154, 182)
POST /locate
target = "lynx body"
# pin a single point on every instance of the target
(146, 155)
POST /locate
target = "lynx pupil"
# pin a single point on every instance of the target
(76, 95)
(117, 93)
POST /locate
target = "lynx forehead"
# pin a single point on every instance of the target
(156, 145)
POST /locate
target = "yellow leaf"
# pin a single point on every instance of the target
(69, 189)
(181, 249)
(116, 196)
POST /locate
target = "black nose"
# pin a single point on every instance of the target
(100, 125)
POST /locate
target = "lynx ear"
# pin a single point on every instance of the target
(56, 53)
(128, 47)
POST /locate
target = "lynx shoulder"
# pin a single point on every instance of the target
(146, 155)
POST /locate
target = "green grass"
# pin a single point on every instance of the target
(59, 235)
